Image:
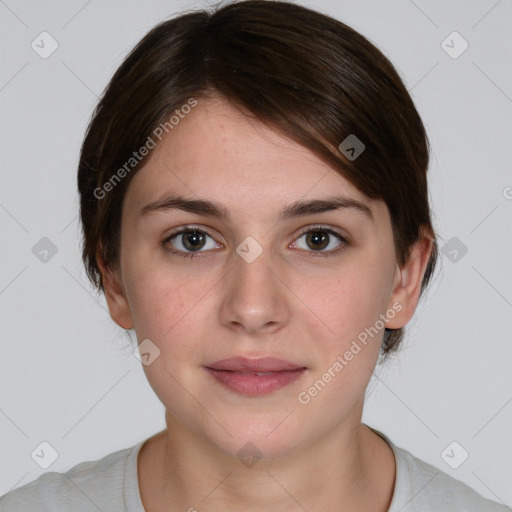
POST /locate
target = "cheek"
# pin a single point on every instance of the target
(349, 306)
(160, 303)
(349, 303)
(167, 311)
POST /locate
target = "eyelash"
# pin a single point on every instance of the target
(312, 254)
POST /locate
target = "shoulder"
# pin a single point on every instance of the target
(91, 485)
(421, 487)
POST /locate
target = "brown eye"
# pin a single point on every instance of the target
(320, 240)
(317, 239)
(190, 240)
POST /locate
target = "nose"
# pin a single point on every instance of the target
(254, 298)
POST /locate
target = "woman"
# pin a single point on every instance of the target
(254, 205)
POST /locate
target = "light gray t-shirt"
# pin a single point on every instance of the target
(111, 485)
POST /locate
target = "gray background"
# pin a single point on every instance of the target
(68, 376)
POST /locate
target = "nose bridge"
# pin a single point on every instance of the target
(252, 277)
(253, 296)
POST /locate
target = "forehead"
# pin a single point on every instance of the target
(218, 152)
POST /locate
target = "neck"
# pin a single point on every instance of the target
(181, 469)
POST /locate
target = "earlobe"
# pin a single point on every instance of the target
(408, 280)
(115, 296)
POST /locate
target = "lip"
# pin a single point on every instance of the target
(262, 364)
(240, 374)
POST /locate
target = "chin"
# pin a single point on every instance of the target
(260, 439)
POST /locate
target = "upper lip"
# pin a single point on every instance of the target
(263, 364)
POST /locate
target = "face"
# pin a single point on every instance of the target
(301, 287)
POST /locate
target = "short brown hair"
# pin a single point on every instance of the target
(303, 73)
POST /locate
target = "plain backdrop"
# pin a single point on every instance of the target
(68, 376)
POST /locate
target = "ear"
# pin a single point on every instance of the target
(114, 294)
(408, 279)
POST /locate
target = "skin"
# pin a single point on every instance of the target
(288, 304)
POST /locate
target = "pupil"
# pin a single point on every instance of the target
(315, 238)
(193, 240)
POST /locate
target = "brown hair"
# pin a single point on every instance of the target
(303, 73)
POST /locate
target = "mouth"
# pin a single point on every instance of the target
(259, 365)
(254, 377)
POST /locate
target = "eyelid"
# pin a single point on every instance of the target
(306, 229)
(188, 227)
(321, 227)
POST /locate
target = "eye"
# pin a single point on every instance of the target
(189, 240)
(319, 238)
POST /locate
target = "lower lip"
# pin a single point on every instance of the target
(255, 385)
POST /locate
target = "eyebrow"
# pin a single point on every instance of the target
(296, 209)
